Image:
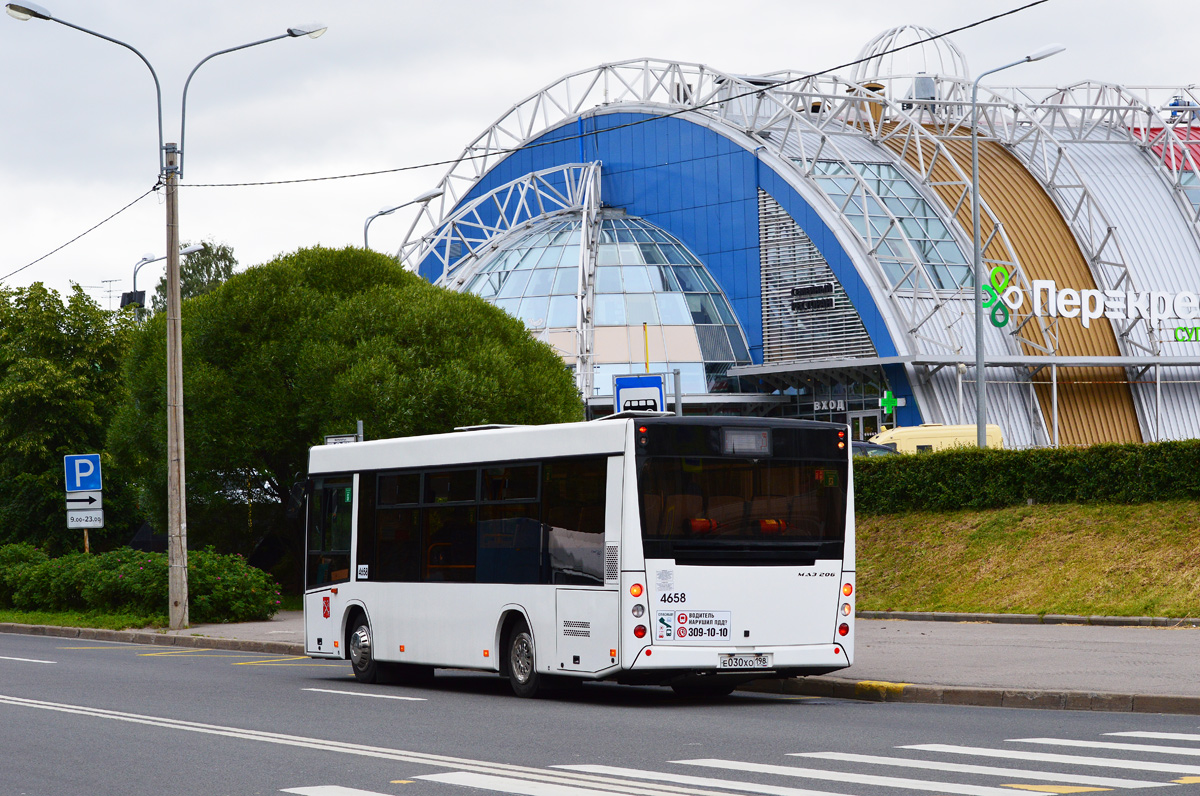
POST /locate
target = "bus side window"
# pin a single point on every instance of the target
(573, 498)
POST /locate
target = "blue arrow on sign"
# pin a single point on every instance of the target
(83, 472)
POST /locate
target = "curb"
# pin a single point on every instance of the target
(1032, 619)
(879, 691)
(157, 639)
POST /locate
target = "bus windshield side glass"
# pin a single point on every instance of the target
(734, 510)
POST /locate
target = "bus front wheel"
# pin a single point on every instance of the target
(522, 662)
(362, 658)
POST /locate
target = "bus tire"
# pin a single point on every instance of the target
(362, 657)
(522, 662)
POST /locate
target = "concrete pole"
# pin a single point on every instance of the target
(678, 392)
(177, 579)
(1054, 400)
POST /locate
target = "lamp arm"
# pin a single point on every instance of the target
(188, 82)
(135, 51)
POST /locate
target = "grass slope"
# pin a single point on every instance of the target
(1092, 559)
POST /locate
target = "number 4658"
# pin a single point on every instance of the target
(674, 597)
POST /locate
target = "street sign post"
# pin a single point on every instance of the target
(85, 504)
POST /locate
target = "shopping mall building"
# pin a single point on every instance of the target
(796, 246)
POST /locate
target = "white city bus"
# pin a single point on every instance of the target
(692, 552)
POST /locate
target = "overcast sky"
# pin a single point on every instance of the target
(396, 84)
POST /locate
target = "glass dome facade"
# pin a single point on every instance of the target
(643, 276)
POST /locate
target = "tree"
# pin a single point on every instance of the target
(284, 353)
(59, 385)
(199, 273)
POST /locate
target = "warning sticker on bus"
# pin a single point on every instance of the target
(698, 626)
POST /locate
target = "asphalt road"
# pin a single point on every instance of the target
(84, 717)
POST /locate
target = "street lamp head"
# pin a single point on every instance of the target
(430, 195)
(148, 257)
(195, 247)
(1045, 52)
(26, 11)
(313, 30)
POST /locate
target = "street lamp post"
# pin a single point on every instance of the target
(428, 196)
(170, 170)
(980, 380)
(132, 296)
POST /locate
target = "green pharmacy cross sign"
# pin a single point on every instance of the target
(889, 403)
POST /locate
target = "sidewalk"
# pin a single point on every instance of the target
(1074, 666)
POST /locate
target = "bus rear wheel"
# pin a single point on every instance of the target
(362, 658)
(522, 662)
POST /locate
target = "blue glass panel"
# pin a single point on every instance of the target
(673, 309)
(673, 255)
(530, 257)
(610, 310)
(514, 285)
(707, 279)
(509, 305)
(607, 255)
(662, 279)
(691, 377)
(652, 255)
(641, 236)
(740, 353)
(630, 254)
(562, 311)
(570, 256)
(636, 279)
(566, 281)
(624, 236)
(702, 308)
(688, 280)
(550, 257)
(722, 308)
(533, 311)
(640, 308)
(608, 280)
(540, 282)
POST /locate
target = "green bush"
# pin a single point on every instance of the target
(221, 588)
(969, 478)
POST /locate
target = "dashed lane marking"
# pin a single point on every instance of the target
(1064, 789)
(510, 785)
(366, 694)
(24, 660)
(331, 790)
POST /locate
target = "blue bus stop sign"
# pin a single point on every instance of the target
(636, 391)
(83, 472)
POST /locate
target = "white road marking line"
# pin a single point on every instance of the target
(332, 790)
(24, 660)
(1164, 736)
(365, 694)
(1044, 757)
(846, 776)
(382, 753)
(509, 785)
(709, 782)
(966, 768)
(1126, 747)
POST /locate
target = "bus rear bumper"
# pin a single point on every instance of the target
(796, 659)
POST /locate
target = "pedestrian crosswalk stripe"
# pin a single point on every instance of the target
(844, 776)
(1046, 757)
(511, 785)
(687, 779)
(331, 790)
(967, 768)
(1124, 747)
(1161, 736)
(1064, 789)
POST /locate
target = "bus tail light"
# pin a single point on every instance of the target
(702, 526)
(640, 631)
(843, 629)
(846, 609)
(848, 589)
(638, 610)
(636, 590)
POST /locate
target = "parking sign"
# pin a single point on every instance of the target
(82, 472)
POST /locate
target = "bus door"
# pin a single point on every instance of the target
(329, 523)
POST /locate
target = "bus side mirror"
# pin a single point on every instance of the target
(295, 507)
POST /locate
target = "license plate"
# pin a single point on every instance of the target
(729, 661)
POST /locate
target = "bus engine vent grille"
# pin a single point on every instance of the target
(583, 629)
(612, 562)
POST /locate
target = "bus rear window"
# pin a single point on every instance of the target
(742, 510)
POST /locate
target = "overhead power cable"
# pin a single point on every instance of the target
(681, 111)
(81, 234)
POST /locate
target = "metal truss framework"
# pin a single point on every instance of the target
(778, 118)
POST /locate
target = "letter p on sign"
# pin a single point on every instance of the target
(82, 472)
